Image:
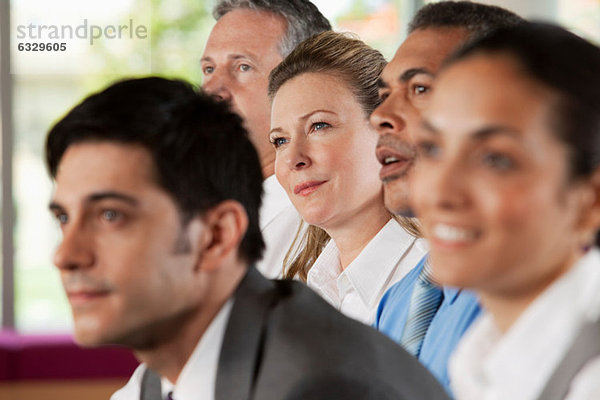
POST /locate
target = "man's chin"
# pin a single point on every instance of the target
(400, 211)
(395, 197)
(87, 339)
(89, 332)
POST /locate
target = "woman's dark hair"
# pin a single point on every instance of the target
(569, 66)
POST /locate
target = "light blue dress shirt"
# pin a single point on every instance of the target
(459, 308)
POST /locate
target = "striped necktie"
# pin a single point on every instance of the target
(424, 303)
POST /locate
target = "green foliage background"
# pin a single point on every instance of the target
(178, 31)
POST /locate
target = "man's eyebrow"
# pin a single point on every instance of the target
(230, 57)
(238, 56)
(99, 196)
(381, 84)
(110, 195)
(410, 73)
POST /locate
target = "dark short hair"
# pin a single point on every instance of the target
(201, 152)
(570, 67)
(303, 18)
(478, 19)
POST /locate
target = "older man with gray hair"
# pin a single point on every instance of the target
(249, 39)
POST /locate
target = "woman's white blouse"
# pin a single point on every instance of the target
(357, 290)
(488, 365)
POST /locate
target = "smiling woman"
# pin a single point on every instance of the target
(322, 95)
(508, 191)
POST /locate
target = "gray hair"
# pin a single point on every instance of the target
(303, 18)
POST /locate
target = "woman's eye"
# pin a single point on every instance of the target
(278, 142)
(498, 161)
(317, 126)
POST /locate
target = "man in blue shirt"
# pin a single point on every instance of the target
(458, 309)
(426, 319)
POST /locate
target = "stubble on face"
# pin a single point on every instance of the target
(415, 63)
(242, 50)
(132, 268)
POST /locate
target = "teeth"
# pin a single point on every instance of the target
(389, 160)
(453, 234)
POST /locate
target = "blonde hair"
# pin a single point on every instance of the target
(358, 66)
(338, 54)
(306, 247)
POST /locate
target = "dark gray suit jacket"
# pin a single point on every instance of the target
(283, 342)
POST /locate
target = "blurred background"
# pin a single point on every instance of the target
(37, 88)
(44, 88)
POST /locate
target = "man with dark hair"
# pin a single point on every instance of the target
(475, 18)
(249, 39)
(157, 196)
(426, 319)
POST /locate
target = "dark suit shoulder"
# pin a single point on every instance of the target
(309, 343)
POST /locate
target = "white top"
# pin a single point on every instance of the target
(279, 223)
(357, 290)
(490, 366)
(198, 377)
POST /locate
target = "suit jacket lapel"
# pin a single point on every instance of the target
(242, 343)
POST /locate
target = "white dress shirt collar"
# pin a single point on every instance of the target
(489, 365)
(279, 223)
(274, 201)
(198, 377)
(378, 254)
(357, 290)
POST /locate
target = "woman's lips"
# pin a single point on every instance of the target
(306, 188)
(451, 236)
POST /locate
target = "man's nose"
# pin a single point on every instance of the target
(387, 117)
(218, 85)
(75, 250)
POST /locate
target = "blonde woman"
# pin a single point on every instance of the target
(322, 95)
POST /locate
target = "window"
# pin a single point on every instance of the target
(103, 41)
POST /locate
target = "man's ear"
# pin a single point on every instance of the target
(590, 213)
(225, 225)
